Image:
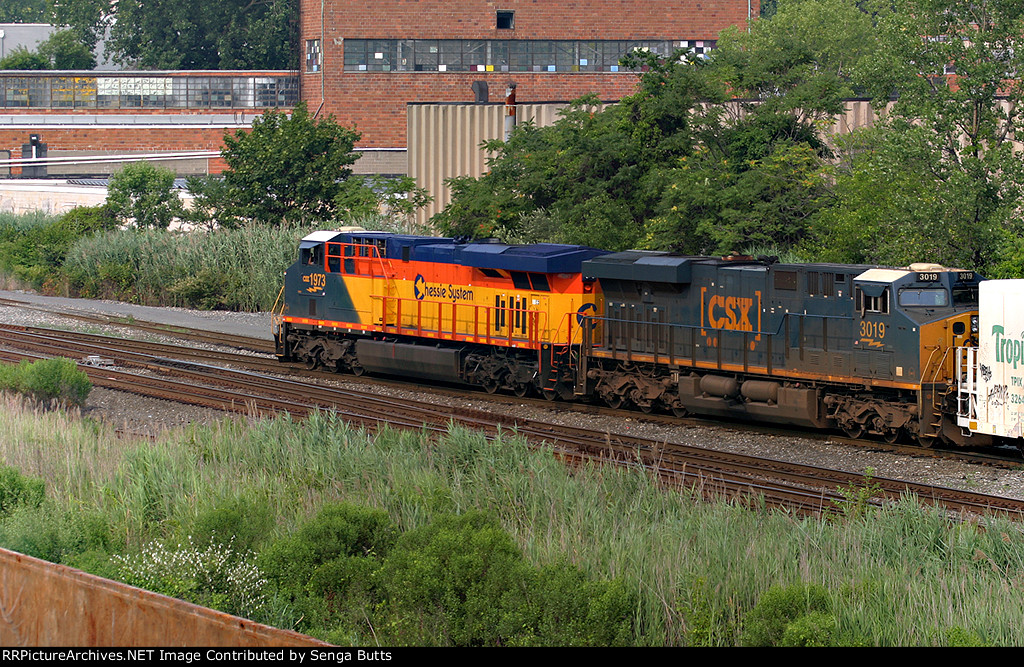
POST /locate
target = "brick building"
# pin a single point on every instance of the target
(363, 62)
(79, 114)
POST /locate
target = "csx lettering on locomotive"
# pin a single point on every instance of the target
(730, 312)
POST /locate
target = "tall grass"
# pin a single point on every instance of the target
(237, 269)
(903, 575)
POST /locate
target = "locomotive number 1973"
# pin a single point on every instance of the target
(872, 329)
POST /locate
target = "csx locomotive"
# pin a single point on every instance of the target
(858, 348)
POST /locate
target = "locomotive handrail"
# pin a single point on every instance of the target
(531, 334)
(277, 318)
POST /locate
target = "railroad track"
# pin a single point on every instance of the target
(188, 333)
(266, 363)
(161, 371)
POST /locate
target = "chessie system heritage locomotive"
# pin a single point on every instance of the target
(858, 348)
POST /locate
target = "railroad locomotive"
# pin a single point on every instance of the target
(858, 348)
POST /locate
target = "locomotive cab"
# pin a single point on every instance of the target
(908, 325)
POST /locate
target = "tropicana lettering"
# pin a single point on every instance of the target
(1008, 350)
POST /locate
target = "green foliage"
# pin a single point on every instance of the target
(453, 582)
(80, 539)
(142, 195)
(87, 18)
(585, 171)
(705, 624)
(286, 169)
(65, 50)
(765, 189)
(21, 58)
(34, 247)
(686, 572)
(245, 522)
(18, 491)
(796, 615)
(209, 196)
(858, 497)
(217, 34)
(337, 531)
(815, 628)
(395, 198)
(564, 608)
(216, 575)
(957, 636)
(209, 289)
(48, 381)
(940, 167)
(236, 269)
(23, 11)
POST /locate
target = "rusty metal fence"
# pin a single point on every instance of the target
(43, 604)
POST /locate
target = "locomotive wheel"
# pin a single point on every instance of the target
(550, 395)
(357, 370)
(891, 435)
(490, 385)
(853, 430)
(680, 412)
(521, 389)
(926, 442)
(615, 401)
(645, 408)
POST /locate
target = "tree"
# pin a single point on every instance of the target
(142, 195)
(584, 172)
(214, 34)
(940, 171)
(707, 156)
(23, 59)
(287, 168)
(22, 11)
(64, 50)
(88, 19)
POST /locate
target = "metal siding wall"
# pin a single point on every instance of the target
(444, 141)
(44, 604)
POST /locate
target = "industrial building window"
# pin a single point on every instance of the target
(502, 55)
(152, 91)
(506, 20)
(313, 54)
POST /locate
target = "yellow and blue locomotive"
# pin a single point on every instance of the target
(486, 314)
(859, 348)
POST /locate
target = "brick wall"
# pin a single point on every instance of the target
(375, 101)
(126, 139)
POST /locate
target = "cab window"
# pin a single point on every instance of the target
(930, 297)
(873, 304)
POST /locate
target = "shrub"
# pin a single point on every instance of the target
(214, 576)
(17, 491)
(77, 538)
(814, 629)
(777, 612)
(337, 531)
(243, 521)
(55, 380)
